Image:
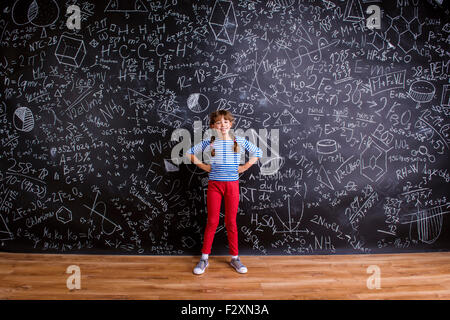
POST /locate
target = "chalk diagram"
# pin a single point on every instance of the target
(315, 56)
(23, 119)
(373, 160)
(423, 151)
(286, 119)
(188, 242)
(70, 51)
(223, 21)
(292, 225)
(428, 222)
(325, 147)
(403, 33)
(278, 88)
(353, 11)
(445, 99)
(5, 234)
(139, 100)
(285, 3)
(421, 91)
(126, 6)
(64, 215)
(197, 102)
(40, 13)
(108, 226)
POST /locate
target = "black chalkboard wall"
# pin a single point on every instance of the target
(87, 117)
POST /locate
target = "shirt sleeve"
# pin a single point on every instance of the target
(199, 147)
(250, 147)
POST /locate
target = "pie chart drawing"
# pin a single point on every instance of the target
(23, 119)
(197, 102)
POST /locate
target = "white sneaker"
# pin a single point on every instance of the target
(201, 266)
(237, 264)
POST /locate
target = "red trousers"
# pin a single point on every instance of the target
(230, 191)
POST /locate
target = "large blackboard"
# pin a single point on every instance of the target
(87, 117)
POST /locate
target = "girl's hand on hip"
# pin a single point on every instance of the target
(207, 167)
(241, 169)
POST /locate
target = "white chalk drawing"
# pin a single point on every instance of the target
(40, 13)
(415, 26)
(223, 21)
(328, 4)
(5, 234)
(64, 215)
(377, 41)
(70, 51)
(284, 3)
(126, 6)
(402, 33)
(23, 119)
(187, 242)
(423, 122)
(446, 27)
(421, 91)
(423, 150)
(257, 72)
(139, 100)
(323, 178)
(353, 11)
(197, 102)
(373, 160)
(445, 99)
(326, 146)
(108, 226)
(428, 222)
(315, 56)
(286, 119)
(292, 225)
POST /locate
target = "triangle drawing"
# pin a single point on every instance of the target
(323, 178)
(286, 118)
(353, 11)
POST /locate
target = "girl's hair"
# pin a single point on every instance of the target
(227, 116)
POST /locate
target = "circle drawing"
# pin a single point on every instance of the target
(23, 119)
(197, 102)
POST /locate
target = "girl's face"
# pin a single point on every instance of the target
(222, 125)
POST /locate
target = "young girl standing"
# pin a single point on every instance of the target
(223, 182)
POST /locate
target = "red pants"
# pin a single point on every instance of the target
(217, 190)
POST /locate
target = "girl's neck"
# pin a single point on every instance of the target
(227, 137)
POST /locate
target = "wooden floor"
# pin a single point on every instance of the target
(403, 276)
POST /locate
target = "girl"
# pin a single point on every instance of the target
(223, 182)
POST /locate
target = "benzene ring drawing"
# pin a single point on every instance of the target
(373, 161)
(223, 21)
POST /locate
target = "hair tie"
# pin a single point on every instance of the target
(213, 152)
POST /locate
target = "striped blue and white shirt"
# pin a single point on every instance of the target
(225, 163)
